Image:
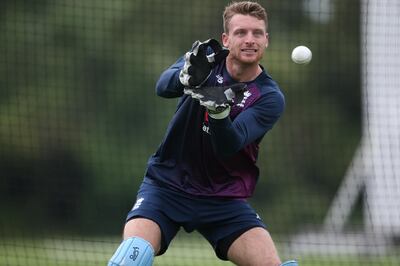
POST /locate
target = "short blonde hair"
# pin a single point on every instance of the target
(253, 9)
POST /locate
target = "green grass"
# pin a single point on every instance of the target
(185, 250)
(62, 251)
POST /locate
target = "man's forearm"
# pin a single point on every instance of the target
(168, 85)
(225, 139)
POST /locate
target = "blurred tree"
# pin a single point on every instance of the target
(79, 116)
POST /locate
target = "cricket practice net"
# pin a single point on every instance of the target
(79, 118)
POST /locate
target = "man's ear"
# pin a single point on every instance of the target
(225, 39)
(267, 43)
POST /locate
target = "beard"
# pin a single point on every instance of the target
(246, 59)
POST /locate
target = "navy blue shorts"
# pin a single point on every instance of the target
(220, 221)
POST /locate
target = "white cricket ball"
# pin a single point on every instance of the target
(301, 55)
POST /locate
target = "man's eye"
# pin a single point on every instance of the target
(258, 33)
(240, 32)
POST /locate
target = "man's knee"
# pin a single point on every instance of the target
(132, 252)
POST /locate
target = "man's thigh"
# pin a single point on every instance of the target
(254, 247)
(223, 221)
(157, 214)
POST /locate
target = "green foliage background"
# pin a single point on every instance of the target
(79, 116)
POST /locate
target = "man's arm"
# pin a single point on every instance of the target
(228, 137)
(168, 85)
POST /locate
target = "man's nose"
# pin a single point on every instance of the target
(249, 38)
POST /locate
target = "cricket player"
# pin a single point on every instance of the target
(205, 167)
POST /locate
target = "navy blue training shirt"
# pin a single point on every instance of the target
(203, 156)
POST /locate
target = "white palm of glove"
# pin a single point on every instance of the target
(217, 100)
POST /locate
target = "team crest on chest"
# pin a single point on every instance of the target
(220, 79)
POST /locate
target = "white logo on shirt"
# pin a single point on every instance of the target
(137, 204)
(206, 128)
(220, 79)
(246, 95)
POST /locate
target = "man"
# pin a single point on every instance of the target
(205, 167)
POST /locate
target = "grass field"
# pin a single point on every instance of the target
(97, 251)
(184, 250)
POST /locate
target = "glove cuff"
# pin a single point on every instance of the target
(220, 115)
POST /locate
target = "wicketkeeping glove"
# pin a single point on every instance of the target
(218, 100)
(198, 65)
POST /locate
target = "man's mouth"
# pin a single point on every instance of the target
(247, 50)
